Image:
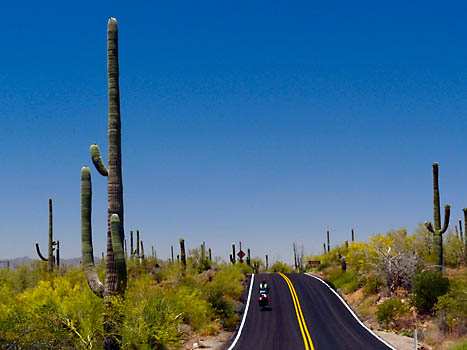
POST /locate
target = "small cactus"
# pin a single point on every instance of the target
(437, 230)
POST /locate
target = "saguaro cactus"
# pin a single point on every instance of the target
(437, 230)
(328, 241)
(465, 234)
(50, 259)
(203, 252)
(267, 262)
(248, 258)
(116, 276)
(353, 236)
(182, 253)
(210, 255)
(460, 227)
(234, 259)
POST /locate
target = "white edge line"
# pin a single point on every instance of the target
(353, 313)
(239, 333)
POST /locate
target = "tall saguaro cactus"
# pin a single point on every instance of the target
(116, 274)
(437, 230)
(353, 236)
(465, 234)
(234, 258)
(328, 241)
(182, 254)
(50, 259)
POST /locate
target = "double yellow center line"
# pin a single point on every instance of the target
(298, 311)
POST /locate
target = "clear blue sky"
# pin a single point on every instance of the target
(262, 121)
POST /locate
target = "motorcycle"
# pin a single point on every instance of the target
(263, 300)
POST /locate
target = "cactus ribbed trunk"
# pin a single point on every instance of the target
(437, 230)
(51, 249)
(50, 253)
(203, 253)
(57, 256)
(116, 277)
(465, 235)
(460, 229)
(182, 254)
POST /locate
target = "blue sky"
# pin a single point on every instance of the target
(253, 121)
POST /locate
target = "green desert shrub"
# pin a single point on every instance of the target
(346, 280)
(371, 285)
(451, 308)
(279, 266)
(322, 266)
(388, 311)
(428, 287)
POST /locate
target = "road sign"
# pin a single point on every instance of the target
(241, 254)
(314, 262)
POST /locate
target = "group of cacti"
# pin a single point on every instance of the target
(137, 253)
(329, 245)
(233, 257)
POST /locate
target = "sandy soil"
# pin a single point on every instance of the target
(216, 342)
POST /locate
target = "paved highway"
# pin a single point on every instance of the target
(305, 314)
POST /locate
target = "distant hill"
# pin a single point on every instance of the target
(27, 261)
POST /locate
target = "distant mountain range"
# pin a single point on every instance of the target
(27, 260)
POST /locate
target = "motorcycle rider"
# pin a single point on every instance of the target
(263, 287)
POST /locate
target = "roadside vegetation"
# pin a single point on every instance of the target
(163, 305)
(393, 283)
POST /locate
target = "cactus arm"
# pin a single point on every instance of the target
(86, 234)
(429, 226)
(119, 256)
(39, 253)
(447, 214)
(97, 160)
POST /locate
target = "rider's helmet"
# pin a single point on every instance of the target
(264, 280)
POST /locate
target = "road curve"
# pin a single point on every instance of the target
(329, 322)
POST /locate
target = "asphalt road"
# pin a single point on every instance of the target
(330, 324)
